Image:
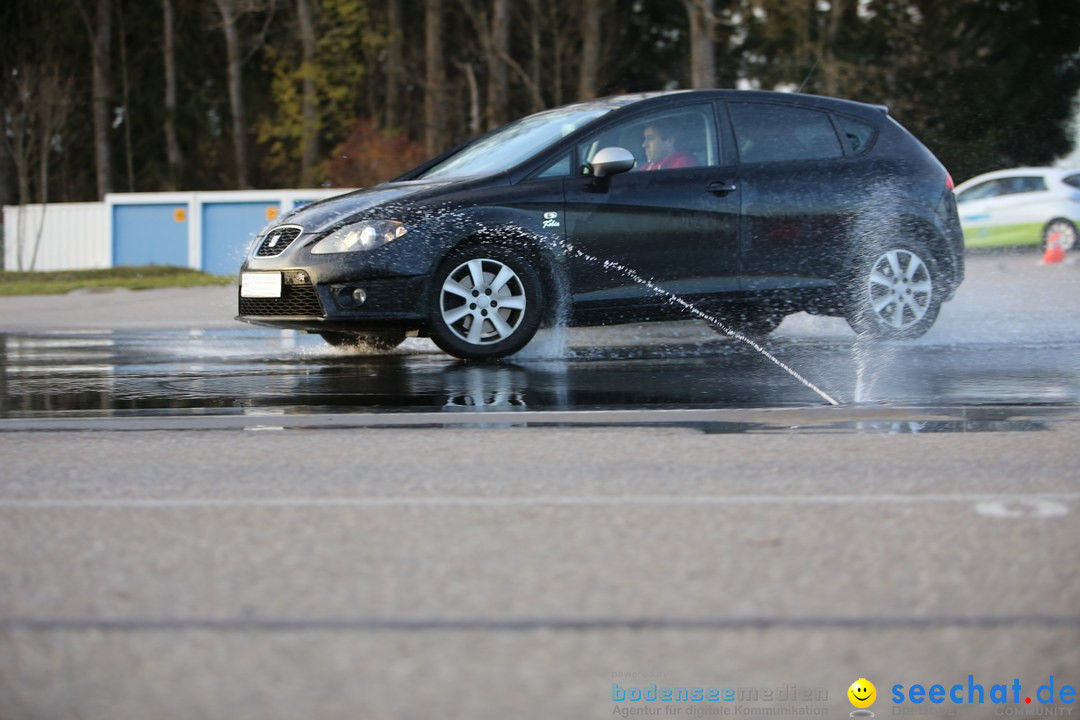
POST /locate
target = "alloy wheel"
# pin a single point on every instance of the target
(482, 301)
(901, 290)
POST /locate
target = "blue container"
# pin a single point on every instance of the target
(147, 234)
(228, 229)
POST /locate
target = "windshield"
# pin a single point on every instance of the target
(514, 143)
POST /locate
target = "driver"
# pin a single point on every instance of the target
(659, 143)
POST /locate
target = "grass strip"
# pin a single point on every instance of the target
(145, 277)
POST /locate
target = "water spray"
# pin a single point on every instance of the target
(700, 314)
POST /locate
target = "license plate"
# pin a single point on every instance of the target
(260, 285)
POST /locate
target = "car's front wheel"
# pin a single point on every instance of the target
(896, 292)
(370, 343)
(486, 303)
(1061, 230)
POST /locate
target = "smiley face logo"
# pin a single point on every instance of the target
(862, 693)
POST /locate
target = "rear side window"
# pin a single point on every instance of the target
(773, 133)
(860, 134)
(1073, 180)
(1017, 185)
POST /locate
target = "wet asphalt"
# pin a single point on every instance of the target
(202, 519)
(1010, 338)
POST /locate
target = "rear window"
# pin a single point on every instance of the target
(770, 133)
(1073, 180)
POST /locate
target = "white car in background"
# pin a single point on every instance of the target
(1022, 206)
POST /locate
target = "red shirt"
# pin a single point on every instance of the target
(677, 159)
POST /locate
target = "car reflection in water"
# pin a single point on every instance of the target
(473, 388)
(181, 372)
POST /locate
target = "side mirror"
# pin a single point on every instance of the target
(612, 161)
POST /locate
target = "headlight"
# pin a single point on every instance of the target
(361, 236)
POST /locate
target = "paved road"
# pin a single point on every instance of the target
(345, 566)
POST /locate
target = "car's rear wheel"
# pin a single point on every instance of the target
(368, 342)
(1064, 231)
(486, 303)
(896, 292)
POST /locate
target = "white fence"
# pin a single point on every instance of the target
(202, 230)
(64, 236)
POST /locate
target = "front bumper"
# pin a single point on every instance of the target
(303, 305)
(320, 292)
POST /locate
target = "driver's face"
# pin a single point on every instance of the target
(656, 148)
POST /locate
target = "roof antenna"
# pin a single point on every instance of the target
(807, 78)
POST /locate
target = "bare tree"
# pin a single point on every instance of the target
(498, 46)
(490, 21)
(473, 122)
(5, 168)
(536, 47)
(831, 70)
(54, 90)
(590, 49)
(309, 144)
(434, 79)
(561, 47)
(172, 142)
(19, 111)
(99, 30)
(229, 16)
(395, 63)
(125, 118)
(702, 16)
(37, 112)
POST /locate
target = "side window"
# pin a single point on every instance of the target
(860, 134)
(988, 189)
(1073, 180)
(771, 133)
(1017, 185)
(559, 168)
(668, 140)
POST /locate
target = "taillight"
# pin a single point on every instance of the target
(949, 181)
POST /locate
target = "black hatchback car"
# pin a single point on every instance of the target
(745, 205)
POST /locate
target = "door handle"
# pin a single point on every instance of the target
(721, 188)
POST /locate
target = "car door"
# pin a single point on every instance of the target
(975, 206)
(1014, 216)
(797, 187)
(675, 226)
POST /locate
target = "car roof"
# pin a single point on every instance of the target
(662, 97)
(1050, 172)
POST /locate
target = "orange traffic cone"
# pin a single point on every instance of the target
(1054, 252)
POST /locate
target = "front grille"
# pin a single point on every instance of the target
(278, 239)
(295, 301)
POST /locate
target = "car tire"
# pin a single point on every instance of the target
(486, 302)
(1066, 230)
(896, 292)
(380, 342)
